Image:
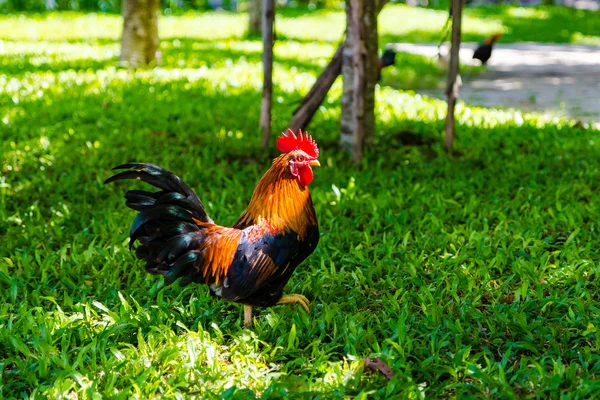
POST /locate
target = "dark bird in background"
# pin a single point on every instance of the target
(387, 58)
(484, 51)
(249, 263)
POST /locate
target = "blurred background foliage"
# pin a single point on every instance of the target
(169, 6)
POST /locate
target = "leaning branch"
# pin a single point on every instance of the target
(453, 81)
(311, 102)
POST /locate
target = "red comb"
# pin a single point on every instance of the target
(291, 142)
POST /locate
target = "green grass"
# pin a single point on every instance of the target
(474, 276)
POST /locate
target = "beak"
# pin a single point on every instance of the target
(315, 163)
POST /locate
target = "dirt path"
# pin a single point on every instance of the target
(534, 77)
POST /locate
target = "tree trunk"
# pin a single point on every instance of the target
(303, 114)
(267, 33)
(359, 67)
(255, 17)
(139, 43)
(453, 82)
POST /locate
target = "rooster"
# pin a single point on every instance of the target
(249, 263)
(484, 51)
(387, 58)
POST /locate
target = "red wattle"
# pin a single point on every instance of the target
(305, 176)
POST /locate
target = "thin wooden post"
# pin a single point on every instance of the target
(454, 69)
(268, 17)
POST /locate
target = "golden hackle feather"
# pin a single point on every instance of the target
(279, 202)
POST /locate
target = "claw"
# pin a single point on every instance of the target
(295, 298)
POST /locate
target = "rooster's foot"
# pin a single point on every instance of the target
(295, 298)
(247, 315)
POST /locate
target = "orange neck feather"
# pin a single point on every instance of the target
(279, 202)
(492, 39)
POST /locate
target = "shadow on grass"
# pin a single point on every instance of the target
(199, 119)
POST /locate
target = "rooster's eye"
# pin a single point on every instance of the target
(300, 158)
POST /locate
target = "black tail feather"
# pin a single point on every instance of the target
(165, 180)
(157, 213)
(178, 269)
(140, 199)
(177, 244)
(165, 227)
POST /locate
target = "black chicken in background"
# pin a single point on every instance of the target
(387, 58)
(484, 51)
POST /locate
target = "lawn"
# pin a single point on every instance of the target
(469, 276)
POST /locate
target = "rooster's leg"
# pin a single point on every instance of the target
(247, 315)
(295, 298)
